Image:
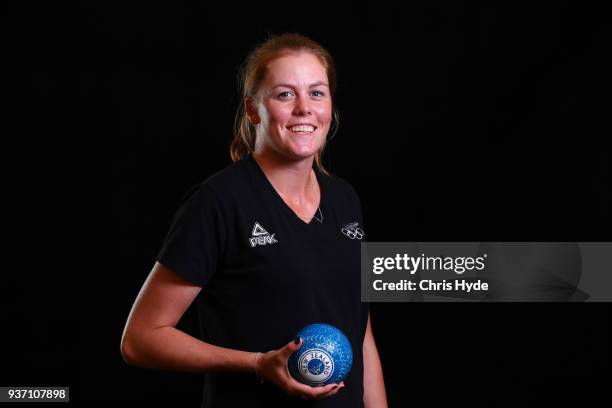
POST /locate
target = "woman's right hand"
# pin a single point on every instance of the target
(273, 367)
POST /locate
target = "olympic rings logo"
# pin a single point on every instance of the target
(356, 233)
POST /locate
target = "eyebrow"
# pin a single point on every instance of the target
(291, 86)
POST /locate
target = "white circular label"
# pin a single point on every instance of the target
(316, 365)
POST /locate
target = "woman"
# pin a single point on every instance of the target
(267, 246)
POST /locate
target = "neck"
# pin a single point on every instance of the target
(294, 179)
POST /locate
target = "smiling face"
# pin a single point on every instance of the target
(292, 110)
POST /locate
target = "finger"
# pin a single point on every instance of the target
(315, 392)
(303, 390)
(334, 390)
(322, 392)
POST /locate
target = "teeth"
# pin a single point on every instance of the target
(302, 128)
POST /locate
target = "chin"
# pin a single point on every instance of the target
(304, 151)
(296, 152)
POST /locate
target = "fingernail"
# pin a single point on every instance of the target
(297, 340)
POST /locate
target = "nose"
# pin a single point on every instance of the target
(302, 106)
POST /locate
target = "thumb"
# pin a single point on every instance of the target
(292, 346)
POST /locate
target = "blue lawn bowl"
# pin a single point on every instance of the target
(325, 356)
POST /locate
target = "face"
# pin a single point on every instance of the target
(295, 91)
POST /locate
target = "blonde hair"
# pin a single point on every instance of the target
(253, 72)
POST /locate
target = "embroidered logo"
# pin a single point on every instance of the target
(259, 236)
(352, 230)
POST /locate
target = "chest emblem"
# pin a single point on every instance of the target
(259, 236)
(352, 230)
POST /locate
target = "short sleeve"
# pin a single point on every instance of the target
(194, 242)
(357, 201)
(365, 306)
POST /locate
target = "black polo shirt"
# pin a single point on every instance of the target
(266, 273)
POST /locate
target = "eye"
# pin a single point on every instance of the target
(284, 94)
(319, 93)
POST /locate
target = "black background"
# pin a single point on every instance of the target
(458, 123)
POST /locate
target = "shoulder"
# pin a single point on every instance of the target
(216, 187)
(228, 178)
(339, 186)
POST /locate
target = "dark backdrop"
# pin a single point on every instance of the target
(458, 122)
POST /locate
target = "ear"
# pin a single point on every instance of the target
(251, 110)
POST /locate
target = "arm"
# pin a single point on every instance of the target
(374, 395)
(150, 339)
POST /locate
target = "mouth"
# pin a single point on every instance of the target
(302, 129)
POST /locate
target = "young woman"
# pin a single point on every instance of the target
(265, 246)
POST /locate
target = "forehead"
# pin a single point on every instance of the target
(297, 68)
